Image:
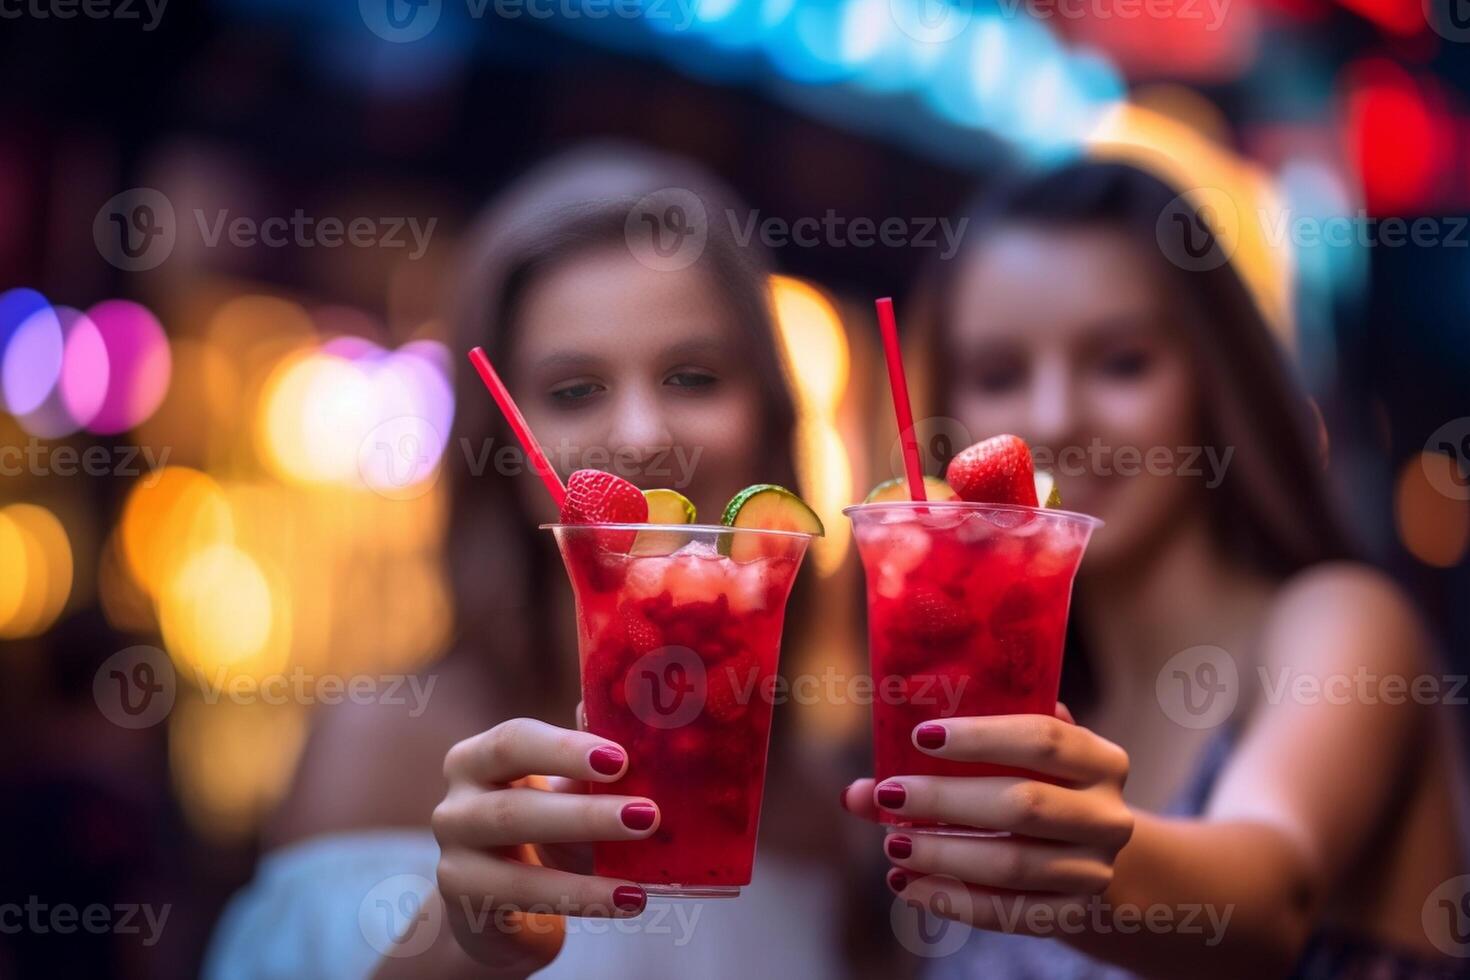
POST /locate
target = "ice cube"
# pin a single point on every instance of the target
(646, 577)
(749, 586)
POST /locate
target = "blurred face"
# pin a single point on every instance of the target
(639, 372)
(1064, 338)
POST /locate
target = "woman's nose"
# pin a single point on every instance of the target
(1052, 405)
(640, 427)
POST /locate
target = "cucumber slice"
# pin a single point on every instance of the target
(768, 507)
(894, 491)
(664, 507)
(1046, 489)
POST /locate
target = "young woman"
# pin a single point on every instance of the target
(667, 373)
(1305, 833)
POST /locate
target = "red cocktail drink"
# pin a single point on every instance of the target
(679, 629)
(967, 613)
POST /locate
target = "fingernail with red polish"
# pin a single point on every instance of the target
(897, 880)
(639, 816)
(930, 736)
(890, 796)
(900, 847)
(629, 898)
(606, 759)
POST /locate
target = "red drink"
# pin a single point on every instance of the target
(679, 653)
(967, 613)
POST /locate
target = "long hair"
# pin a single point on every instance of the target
(1273, 510)
(501, 568)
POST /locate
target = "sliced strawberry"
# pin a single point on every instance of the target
(730, 687)
(642, 635)
(994, 471)
(595, 497)
(932, 615)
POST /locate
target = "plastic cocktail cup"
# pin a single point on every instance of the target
(967, 615)
(679, 632)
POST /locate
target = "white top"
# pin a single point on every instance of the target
(331, 906)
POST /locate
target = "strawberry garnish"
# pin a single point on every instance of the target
(994, 471)
(595, 497)
(730, 687)
(643, 636)
(935, 616)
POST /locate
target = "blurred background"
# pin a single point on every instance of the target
(225, 231)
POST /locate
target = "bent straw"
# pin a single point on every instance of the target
(518, 425)
(888, 326)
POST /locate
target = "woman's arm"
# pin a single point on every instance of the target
(1309, 782)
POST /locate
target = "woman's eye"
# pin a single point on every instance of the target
(1126, 363)
(690, 379)
(577, 391)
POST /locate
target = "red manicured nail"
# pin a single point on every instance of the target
(900, 847)
(629, 898)
(897, 880)
(930, 736)
(890, 796)
(639, 816)
(606, 759)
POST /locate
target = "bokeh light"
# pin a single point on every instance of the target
(36, 553)
(220, 615)
(138, 365)
(1433, 527)
(181, 512)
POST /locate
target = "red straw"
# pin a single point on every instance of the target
(889, 328)
(518, 425)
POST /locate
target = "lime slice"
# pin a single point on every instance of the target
(768, 507)
(1046, 489)
(664, 507)
(894, 491)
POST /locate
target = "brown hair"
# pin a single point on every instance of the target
(501, 566)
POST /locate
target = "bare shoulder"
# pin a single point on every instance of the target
(1345, 615)
(379, 763)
